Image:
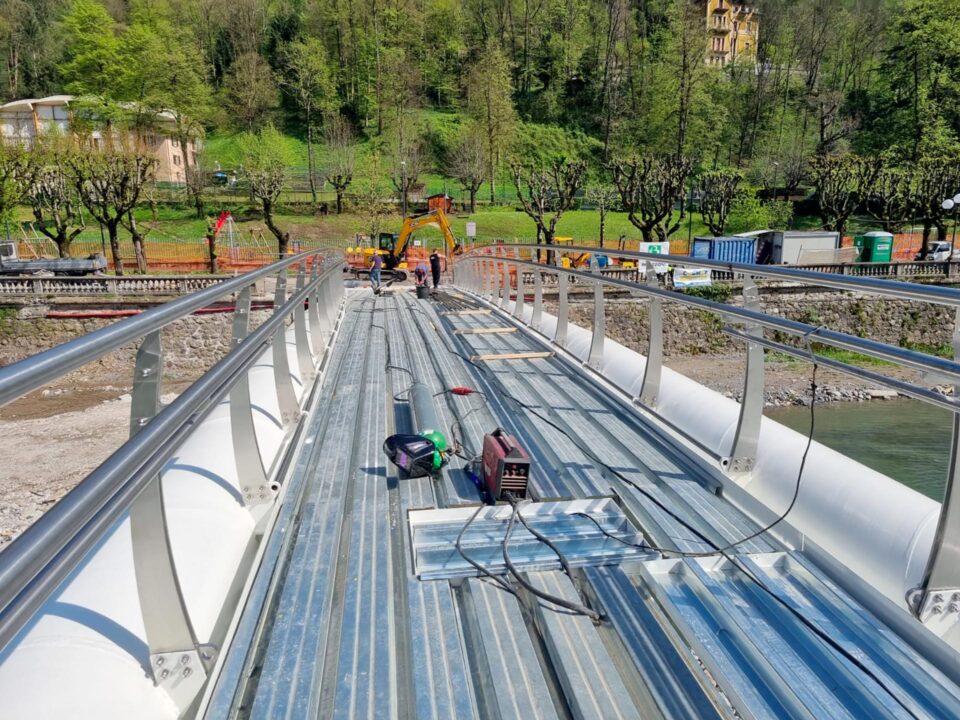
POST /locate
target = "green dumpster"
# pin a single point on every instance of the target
(875, 246)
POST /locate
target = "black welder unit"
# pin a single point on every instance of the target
(506, 466)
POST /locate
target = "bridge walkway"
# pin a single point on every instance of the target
(350, 629)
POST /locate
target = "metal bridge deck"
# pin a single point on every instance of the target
(351, 631)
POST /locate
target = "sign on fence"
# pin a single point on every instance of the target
(691, 277)
(471, 229)
(657, 248)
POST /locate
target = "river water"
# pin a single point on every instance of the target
(905, 439)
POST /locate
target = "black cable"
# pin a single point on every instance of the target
(829, 641)
(642, 546)
(477, 566)
(540, 536)
(561, 602)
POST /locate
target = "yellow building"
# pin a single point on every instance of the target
(732, 31)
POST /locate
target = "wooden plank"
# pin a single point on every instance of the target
(484, 331)
(511, 356)
(453, 313)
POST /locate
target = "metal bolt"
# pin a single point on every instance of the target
(164, 674)
(186, 672)
(937, 598)
(184, 659)
(955, 597)
(953, 607)
(160, 660)
(936, 609)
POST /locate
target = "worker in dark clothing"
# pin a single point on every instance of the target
(420, 273)
(435, 268)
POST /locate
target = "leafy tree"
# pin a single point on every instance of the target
(718, 189)
(842, 182)
(341, 156)
(250, 91)
(371, 201)
(12, 163)
(890, 197)
(936, 177)
(109, 181)
(548, 191)
(467, 164)
(306, 78)
(490, 104)
(266, 160)
(407, 164)
(93, 59)
(48, 190)
(649, 188)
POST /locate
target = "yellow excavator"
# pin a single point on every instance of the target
(394, 247)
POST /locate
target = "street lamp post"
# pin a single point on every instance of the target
(403, 186)
(948, 205)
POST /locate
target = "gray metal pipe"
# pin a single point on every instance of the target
(20, 378)
(888, 288)
(34, 565)
(425, 416)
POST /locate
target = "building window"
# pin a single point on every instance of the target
(176, 160)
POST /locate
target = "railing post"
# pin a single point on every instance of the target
(246, 449)
(560, 336)
(939, 600)
(518, 306)
(653, 369)
(316, 329)
(743, 453)
(537, 318)
(505, 281)
(304, 357)
(595, 359)
(286, 395)
(176, 662)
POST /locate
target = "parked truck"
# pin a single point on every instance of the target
(12, 264)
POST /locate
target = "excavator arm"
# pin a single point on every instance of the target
(437, 218)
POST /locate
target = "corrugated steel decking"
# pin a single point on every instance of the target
(351, 631)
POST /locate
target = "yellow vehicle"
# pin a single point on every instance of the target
(395, 247)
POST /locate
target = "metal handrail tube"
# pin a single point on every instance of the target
(20, 378)
(892, 288)
(881, 351)
(35, 564)
(905, 388)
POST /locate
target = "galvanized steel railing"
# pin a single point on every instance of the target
(498, 273)
(38, 561)
(102, 285)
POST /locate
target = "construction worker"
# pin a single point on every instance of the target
(420, 273)
(435, 268)
(375, 266)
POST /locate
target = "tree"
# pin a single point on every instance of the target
(307, 79)
(548, 191)
(92, 60)
(341, 156)
(250, 91)
(467, 164)
(649, 188)
(211, 237)
(265, 162)
(890, 197)
(407, 164)
(48, 189)
(603, 198)
(718, 189)
(138, 237)
(12, 163)
(936, 177)
(371, 202)
(842, 183)
(109, 181)
(490, 104)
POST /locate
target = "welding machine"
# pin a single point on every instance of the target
(506, 466)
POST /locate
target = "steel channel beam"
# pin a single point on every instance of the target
(563, 310)
(743, 452)
(286, 395)
(34, 565)
(27, 375)
(887, 288)
(653, 369)
(537, 318)
(595, 358)
(949, 369)
(246, 449)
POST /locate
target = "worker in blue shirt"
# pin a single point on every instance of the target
(375, 266)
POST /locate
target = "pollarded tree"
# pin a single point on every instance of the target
(109, 181)
(548, 192)
(603, 198)
(936, 178)
(842, 182)
(341, 156)
(649, 188)
(718, 189)
(50, 193)
(890, 197)
(467, 164)
(12, 164)
(265, 162)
